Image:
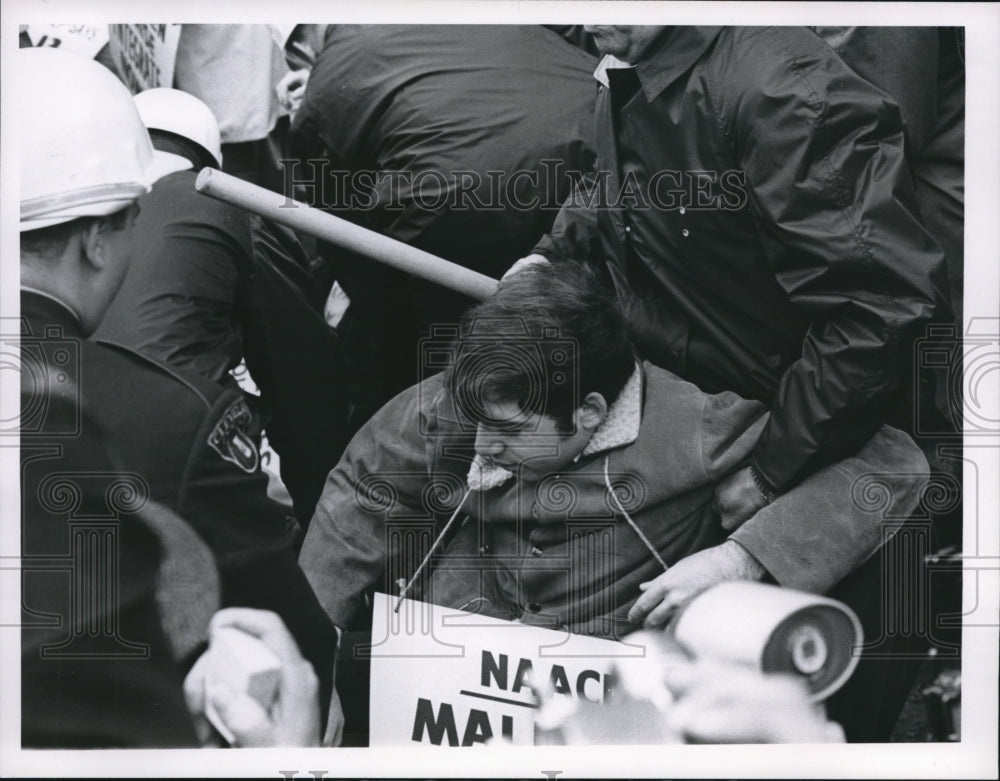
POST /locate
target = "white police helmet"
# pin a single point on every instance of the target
(83, 147)
(181, 113)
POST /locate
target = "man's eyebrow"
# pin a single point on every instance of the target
(507, 425)
(517, 422)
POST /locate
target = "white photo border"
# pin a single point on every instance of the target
(975, 756)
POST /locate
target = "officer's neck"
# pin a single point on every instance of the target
(39, 278)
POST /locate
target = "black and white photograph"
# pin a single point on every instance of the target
(500, 389)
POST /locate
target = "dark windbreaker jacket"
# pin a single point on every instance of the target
(755, 213)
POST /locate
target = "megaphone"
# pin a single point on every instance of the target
(773, 630)
(766, 629)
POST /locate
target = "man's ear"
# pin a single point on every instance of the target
(591, 413)
(95, 248)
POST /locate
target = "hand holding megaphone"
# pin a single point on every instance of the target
(253, 685)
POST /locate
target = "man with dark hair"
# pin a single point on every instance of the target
(564, 477)
(496, 370)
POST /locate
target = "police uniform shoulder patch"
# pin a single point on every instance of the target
(230, 440)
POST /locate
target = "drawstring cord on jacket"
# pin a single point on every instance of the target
(427, 558)
(633, 524)
(614, 497)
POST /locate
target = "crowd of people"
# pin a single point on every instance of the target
(718, 247)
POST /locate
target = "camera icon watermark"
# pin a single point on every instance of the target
(47, 366)
(966, 372)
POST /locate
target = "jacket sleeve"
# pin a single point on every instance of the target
(833, 521)
(380, 480)
(827, 182)
(91, 699)
(575, 234)
(902, 61)
(179, 301)
(224, 496)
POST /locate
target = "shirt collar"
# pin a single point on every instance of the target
(608, 61)
(674, 51)
(620, 427)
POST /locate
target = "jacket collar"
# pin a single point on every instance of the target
(674, 51)
(41, 302)
(620, 427)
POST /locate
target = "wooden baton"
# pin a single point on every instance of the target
(343, 233)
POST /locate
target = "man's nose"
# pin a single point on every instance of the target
(487, 442)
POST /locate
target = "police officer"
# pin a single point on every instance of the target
(184, 439)
(210, 285)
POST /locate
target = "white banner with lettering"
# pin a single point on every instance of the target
(145, 54)
(444, 677)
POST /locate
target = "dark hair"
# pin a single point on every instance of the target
(549, 336)
(50, 243)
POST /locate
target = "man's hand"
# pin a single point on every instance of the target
(291, 88)
(293, 719)
(523, 263)
(737, 498)
(691, 576)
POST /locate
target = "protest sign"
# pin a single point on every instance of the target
(144, 54)
(445, 677)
